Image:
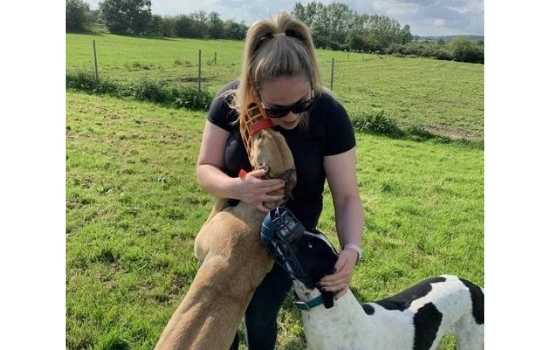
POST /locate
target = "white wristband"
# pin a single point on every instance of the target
(357, 249)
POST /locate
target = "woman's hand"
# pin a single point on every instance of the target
(339, 281)
(256, 191)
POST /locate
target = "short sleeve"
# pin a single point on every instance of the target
(340, 136)
(220, 112)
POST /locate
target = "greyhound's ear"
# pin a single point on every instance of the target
(328, 299)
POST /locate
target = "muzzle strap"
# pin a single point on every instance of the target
(310, 304)
(280, 230)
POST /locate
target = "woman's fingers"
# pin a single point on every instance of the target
(257, 173)
(336, 276)
(266, 186)
(272, 184)
(272, 198)
(335, 283)
(262, 208)
(336, 288)
(257, 191)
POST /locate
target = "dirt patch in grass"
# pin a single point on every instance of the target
(454, 133)
(189, 79)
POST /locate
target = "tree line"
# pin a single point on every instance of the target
(134, 17)
(335, 26)
(338, 27)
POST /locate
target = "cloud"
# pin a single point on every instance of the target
(395, 8)
(435, 17)
(440, 22)
(426, 17)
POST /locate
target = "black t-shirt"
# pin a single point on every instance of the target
(328, 132)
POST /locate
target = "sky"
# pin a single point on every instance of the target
(426, 17)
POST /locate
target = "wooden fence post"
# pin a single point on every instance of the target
(200, 70)
(95, 64)
(332, 75)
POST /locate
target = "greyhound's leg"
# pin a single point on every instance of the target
(202, 239)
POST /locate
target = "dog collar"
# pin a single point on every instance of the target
(261, 125)
(254, 121)
(308, 305)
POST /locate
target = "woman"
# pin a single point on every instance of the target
(281, 73)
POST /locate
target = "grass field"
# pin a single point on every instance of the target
(133, 205)
(444, 97)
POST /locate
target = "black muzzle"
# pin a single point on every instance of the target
(280, 234)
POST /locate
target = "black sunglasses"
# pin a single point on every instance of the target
(301, 106)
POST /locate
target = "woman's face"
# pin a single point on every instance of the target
(285, 91)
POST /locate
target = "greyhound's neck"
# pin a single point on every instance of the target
(319, 322)
(243, 211)
(249, 214)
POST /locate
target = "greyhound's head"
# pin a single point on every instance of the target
(317, 257)
(267, 149)
(270, 151)
(306, 256)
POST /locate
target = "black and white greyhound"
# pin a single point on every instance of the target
(415, 319)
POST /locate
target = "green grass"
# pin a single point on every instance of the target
(443, 96)
(133, 208)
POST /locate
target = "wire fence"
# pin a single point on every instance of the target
(209, 70)
(415, 92)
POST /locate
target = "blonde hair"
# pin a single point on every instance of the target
(276, 47)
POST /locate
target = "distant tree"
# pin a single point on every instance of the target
(77, 17)
(184, 27)
(168, 26)
(299, 12)
(382, 31)
(336, 26)
(355, 41)
(95, 16)
(156, 25)
(215, 26)
(126, 16)
(316, 13)
(309, 14)
(234, 30)
(406, 36)
(466, 51)
(339, 24)
(200, 24)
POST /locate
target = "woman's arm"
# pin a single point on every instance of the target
(210, 162)
(251, 189)
(342, 180)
